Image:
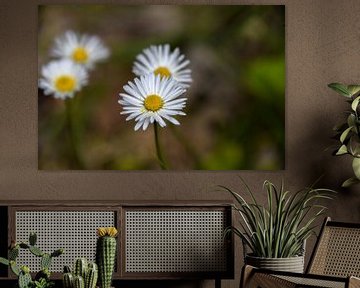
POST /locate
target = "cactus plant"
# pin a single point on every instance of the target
(81, 266)
(106, 254)
(79, 282)
(68, 280)
(45, 261)
(42, 278)
(91, 276)
(24, 280)
(32, 239)
(84, 274)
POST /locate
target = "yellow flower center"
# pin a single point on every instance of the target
(153, 103)
(163, 72)
(80, 55)
(65, 83)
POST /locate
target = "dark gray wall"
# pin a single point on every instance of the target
(322, 46)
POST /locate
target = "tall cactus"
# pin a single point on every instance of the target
(106, 254)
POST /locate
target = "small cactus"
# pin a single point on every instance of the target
(68, 280)
(91, 276)
(80, 268)
(88, 273)
(79, 282)
(106, 254)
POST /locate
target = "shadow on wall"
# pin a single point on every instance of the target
(327, 171)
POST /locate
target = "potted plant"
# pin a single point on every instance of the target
(348, 133)
(42, 278)
(276, 233)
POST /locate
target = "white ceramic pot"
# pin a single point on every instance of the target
(291, 264)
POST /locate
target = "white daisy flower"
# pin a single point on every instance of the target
(160, 61)
(82, 49)
(152, 98)
(62, 78)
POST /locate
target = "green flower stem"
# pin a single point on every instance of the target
(158, 147)
(75, 155)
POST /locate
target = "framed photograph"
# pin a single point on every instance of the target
(151, 87)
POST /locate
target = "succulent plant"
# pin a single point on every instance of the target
(42, 278)
(106, 254)
(43, 283)
(85, 275)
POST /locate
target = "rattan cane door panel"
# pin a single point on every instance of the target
(74, 231)
(175, 241)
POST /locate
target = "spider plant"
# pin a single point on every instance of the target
(280, 229)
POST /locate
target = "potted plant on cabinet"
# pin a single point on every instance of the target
(42, 278)
(276, 233)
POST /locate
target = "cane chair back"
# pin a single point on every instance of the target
(337, 252)
(335, 262)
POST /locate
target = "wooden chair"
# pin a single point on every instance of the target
(335, 262)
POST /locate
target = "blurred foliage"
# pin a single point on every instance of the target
(236, 108)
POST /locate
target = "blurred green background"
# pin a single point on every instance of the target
(236, 103)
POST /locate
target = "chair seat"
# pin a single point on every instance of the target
(263, 278)
(315, 282)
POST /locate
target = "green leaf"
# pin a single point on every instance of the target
(351, 120)
(349, 182)
(356, 167)
(355, 103)
(354, 146)
(340, 88)
(4, 261)
(353, 89)
(14, 268)
(342, 150)
(345, 134)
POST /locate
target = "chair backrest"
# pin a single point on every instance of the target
(337, 251)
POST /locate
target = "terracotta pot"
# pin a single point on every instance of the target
(291, 264)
